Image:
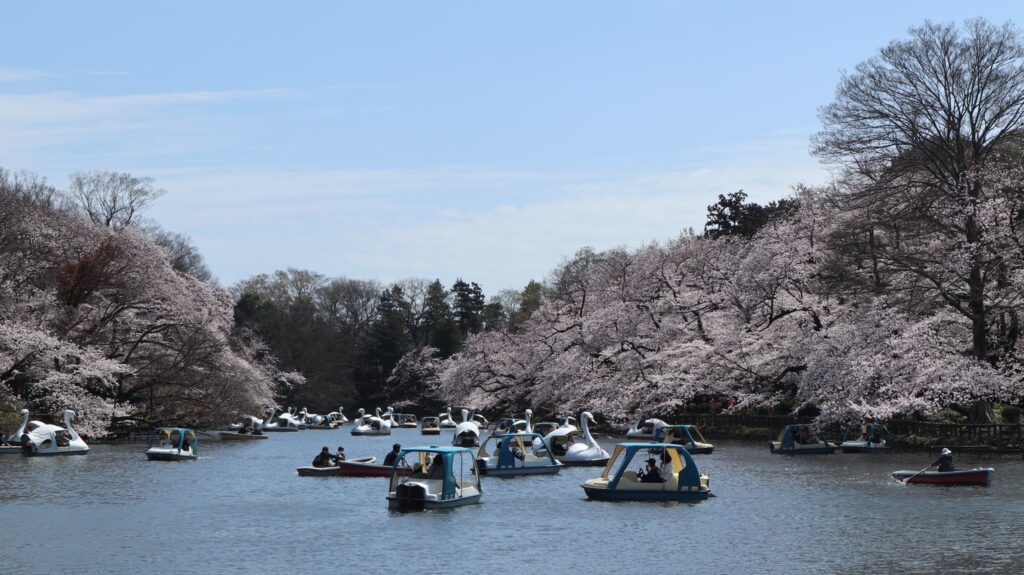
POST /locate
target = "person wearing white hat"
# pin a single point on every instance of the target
(945, 461)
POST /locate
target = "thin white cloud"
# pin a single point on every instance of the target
(19, 75)
(500, 228)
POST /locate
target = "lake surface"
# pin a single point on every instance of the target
(242, 509)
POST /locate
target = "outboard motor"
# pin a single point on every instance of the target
(411, 497)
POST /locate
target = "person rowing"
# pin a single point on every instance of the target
(945, 461)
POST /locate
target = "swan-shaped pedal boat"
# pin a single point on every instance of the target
(283, 422)
(511, 454)
(439, 477)
(569, 451)
(446, 419)
(680, 480)
(13, 440)
(249, 429)
(337, 418)
(372, 425)
(644, 428)
(40, 438)
(800, 439)
(868, 438)
(172, 444)
(686, 435)
(467, 433)
(359, 467)
(430, 426)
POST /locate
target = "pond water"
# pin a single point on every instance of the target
(241, 508)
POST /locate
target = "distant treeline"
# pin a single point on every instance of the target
(348, 335)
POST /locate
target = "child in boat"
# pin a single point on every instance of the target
(945, 461)
(340, 456)
(323, 459)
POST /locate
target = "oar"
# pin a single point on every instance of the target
(907, 480)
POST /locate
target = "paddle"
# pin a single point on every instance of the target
(907, 480)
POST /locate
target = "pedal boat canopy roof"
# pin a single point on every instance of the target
(684, 481)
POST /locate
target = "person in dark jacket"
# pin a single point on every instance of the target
(651, 473)
(945, 461)
(392, 455)
(323, 459)
(340, 456)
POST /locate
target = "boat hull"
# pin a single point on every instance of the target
(430, 432)
(515, 471)
(584, 462)
(821, 449)
(10, 450)
(281, 430)
(395, 503)
(981, 476)
(55, 453)
(862, 449)
(601, 494)
(232, 436)
(170, 457)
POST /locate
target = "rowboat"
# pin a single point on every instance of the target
(977, 476)
(359, 467)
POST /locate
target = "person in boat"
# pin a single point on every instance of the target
(436, 470)
(945, 461)
(650, 473)
(186, 444)
(340, 456)
(3, 440)
(323, 459)
(666, 465)
(392, 455)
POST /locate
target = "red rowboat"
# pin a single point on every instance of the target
(977, 476)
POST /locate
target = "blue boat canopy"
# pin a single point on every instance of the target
(452, 465)
(676, 457)
(178, 437)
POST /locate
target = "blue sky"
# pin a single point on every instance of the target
(434, 139)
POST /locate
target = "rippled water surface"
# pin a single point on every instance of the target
(242, 508)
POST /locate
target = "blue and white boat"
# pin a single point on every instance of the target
(438, 477)
(511, 454)
(868, 438)
(678, 478)
(686, 435)
(801, 439)
(172, 444)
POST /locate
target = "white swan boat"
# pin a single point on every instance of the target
(47, 439)
(446, 419)
(283, 422)
(172, 444)
(337, 418)
(372, 425)
(14, 439)
(644, 428)
(565, 447)
(467, 433)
